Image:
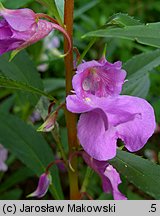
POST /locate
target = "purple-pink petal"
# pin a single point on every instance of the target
(99, 78)
(133, 119)
(109, 176)
(11, 39)
(43, 29)
(137, 131)
(10, 44)
(20, 20)
(129, 118)
(5, 31)
(77, 104)
(43, 185)
(96, 136)
(86, 65)
(16, 26)
(22, 27)
(110, 181)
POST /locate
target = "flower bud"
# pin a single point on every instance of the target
(22, 27)
(49, 124)
(43, 185)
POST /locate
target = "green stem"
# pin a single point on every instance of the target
(59, 145)
(86, 50)
(88, 174)
(71, 119)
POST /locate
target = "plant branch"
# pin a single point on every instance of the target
(71, 119)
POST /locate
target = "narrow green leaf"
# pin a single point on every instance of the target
(16, 3)
(8, 83)
(148, 34)
(54, 8)
(13, 54)
(134, 196)
(142, 173)
(17, 177)
(7, 104)
(13, 194)
(136, 65)
(85, 8)
(121, 20)
(22, 69)
(52, 84)
(1, 5)
(92, 41)
(137, 73)
(60, 7)
(29, 146)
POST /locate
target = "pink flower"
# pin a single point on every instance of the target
(109, 176)
(99, 78)
(22, 27)
(49, 123)
(107, 116)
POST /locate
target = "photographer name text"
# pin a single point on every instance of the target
(110, 208)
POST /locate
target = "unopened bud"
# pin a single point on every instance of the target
(43, 185)
(49, 124)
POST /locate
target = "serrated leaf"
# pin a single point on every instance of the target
(8, 83)
(137, 73)
(29, 146)
(122, 20)
(142, 173)
(22, 69)
(148, 34)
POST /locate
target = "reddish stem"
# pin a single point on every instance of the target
(53, 163)
(71, 119)
(50, 107)
(60, 28)
(41, 15)
(77, 55)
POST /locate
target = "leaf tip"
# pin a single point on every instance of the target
(83, 36)
(13, 54)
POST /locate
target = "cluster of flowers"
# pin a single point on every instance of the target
(107, 116)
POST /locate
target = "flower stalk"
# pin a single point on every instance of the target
(71, 119)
